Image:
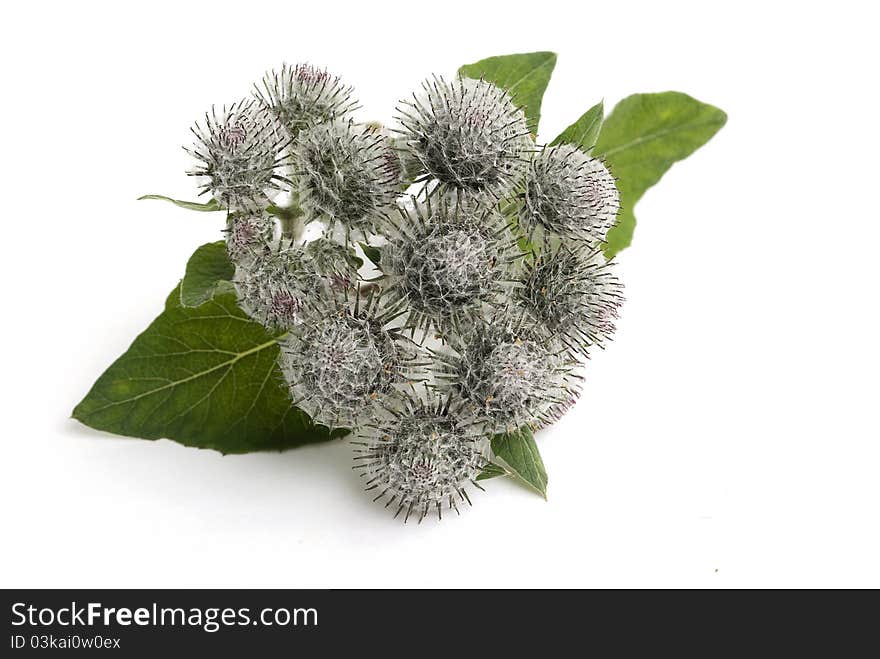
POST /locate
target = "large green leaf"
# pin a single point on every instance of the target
(584, 132)
(524, 75)
(519, 453)
(208, 273)
(212, 205)
(205, 377)
(642, 138)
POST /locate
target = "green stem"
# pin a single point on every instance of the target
(290, 219)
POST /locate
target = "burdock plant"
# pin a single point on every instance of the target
(466, 135)
(430, 288)
(568, 194)
(449, 259)
(345, 358)
(421, 455)
(346, 176)
(509, 371)
(574, 294)
(240, 153)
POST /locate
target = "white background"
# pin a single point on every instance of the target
(728, 437)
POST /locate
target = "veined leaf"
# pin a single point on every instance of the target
(524, 75)
(641, 139)
(584, 132)
(519, 453)
(204, 376)
(208, 272)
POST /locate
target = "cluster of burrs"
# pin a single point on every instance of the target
(431, 286)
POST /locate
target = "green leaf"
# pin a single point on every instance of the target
(642, 138)
(204, 377)
(208, 272)
(584, 132)
(372, 253)
(212, 205)
(519, 453)
(491, 470)
(524, 75)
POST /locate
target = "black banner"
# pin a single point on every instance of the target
(401, 622)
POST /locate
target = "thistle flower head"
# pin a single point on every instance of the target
(575, 295)
(277, 288)
(422, 457)
(343, 360)
(303, 95)
(239, 150)
(346, 174)
(569, 194)
(508, 372)
(334, 261)
(467, 134)
(392, 161)
(446, 260)
(249, 236)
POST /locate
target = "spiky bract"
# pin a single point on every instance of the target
(467, 134)
(249, 236)
(303, 95)
(569, 194)
(344, 176)
(447, 259)
(240, 150)
(344, 359)
(422, 456)
(574, 293)
(283, 283)
(334, 261)
(509, 372)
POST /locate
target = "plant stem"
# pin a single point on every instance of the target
(292, 228)
(290, 219)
